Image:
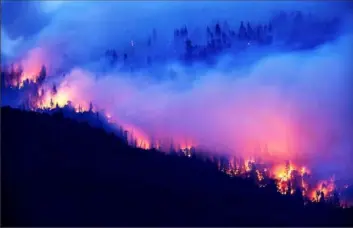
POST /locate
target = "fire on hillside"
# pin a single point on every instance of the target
(290, 177)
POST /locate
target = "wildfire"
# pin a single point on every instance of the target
(60, 99)
(28, 70)
(248, 164)
(260, 176)
(187, 150)
(137, 138)
(324, 188)
(290, 177)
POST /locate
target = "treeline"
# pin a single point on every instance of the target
(57, 172)
(289, 30)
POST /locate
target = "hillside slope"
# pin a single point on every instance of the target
(58, 172)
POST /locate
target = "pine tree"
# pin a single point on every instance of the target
(209, 33)
(121, 131)
(253, 173)
(318, 192)
(90, 107)
(188, 49)
(270, 27)
(51, 102)
(259, 34)
(19, 74)
(114, 58)
(42, 75)
(172, 149)
(54, 90)
(185, 31)
(134, 143)
(250, 31)
(69, 103)
(322, 197)
(193, 151)
(126, 139)
(217, 30)
(242, 31)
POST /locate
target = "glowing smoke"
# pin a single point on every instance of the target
(296, 104)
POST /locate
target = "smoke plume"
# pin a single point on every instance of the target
(296, 104)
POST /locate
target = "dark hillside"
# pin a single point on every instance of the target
(58, 172)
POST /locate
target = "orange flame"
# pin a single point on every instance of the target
(283, 173)
(29, 68)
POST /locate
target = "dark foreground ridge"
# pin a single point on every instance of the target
(58, 172)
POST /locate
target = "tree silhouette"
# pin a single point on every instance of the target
(90, 107)
(54, 90)
(270, 27)
(209, 33)
(18, 74)
(133, 182)
(250, 31)
(259, 34)
(322, 197)
(218, 30)
(42, 75)
(51, 103)
(188, 49)
(289, 187)
(126, 137)
(242, 31)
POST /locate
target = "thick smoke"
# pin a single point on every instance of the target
(297, 104)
